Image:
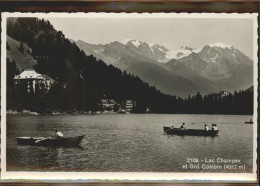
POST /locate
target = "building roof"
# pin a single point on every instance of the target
(29, 74)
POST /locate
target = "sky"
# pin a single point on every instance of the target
(169, 32)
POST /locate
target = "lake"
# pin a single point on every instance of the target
(129, 143)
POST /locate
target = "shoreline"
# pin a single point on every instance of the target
(27, 112)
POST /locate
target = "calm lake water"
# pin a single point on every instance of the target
(128, 142)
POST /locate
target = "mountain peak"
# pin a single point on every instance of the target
(181, 52)
(220, 45)
(185, 48)
(134, 42)
(126, 41)
(137, 43)
(115, 42)
(80, 41)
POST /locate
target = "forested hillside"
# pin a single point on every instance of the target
(81, 80)
(86, 79)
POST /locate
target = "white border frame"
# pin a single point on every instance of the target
(126, 176)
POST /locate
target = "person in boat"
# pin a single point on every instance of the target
(182, 126)
(172, 127)
(251, 121)
(214, 127)
(58, 134)
(206, 128)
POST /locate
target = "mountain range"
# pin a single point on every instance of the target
(211, 68)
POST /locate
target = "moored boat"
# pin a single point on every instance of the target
(190, 132)
(51, 141)
(249, 122)
(122, 111)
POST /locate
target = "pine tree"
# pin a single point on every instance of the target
(21, 48)
(7, 46)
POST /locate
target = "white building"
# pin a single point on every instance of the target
(108, 104)
(128, 105)
(30, 81)
(220, 95)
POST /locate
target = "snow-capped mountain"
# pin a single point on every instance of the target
(184, 71)
(152, 51)
(224, 65)
(158, 53)
(209, 53)
(139, 44)
(179, 53)
(129, 48)
(215, 53)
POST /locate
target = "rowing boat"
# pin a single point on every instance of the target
(190, 132)
(50, 141)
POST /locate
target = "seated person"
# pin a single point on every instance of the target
(206, 128)
(58, 134)
(214, 127)
(182, 126)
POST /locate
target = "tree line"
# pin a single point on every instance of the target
(81, 80)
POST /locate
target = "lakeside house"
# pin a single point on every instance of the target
(220, 95)
(31, 82)
(111, 104)
(128, 105)
(108, 104)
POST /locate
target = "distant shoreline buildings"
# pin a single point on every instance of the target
(125, 106)
(30, 82)
(220, 95)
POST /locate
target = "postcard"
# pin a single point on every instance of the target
(128, 96)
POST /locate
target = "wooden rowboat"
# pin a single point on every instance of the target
(50, 141)
(190, 132)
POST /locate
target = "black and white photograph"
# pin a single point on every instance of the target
(147, 95)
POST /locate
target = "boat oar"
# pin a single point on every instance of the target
(39, 140)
